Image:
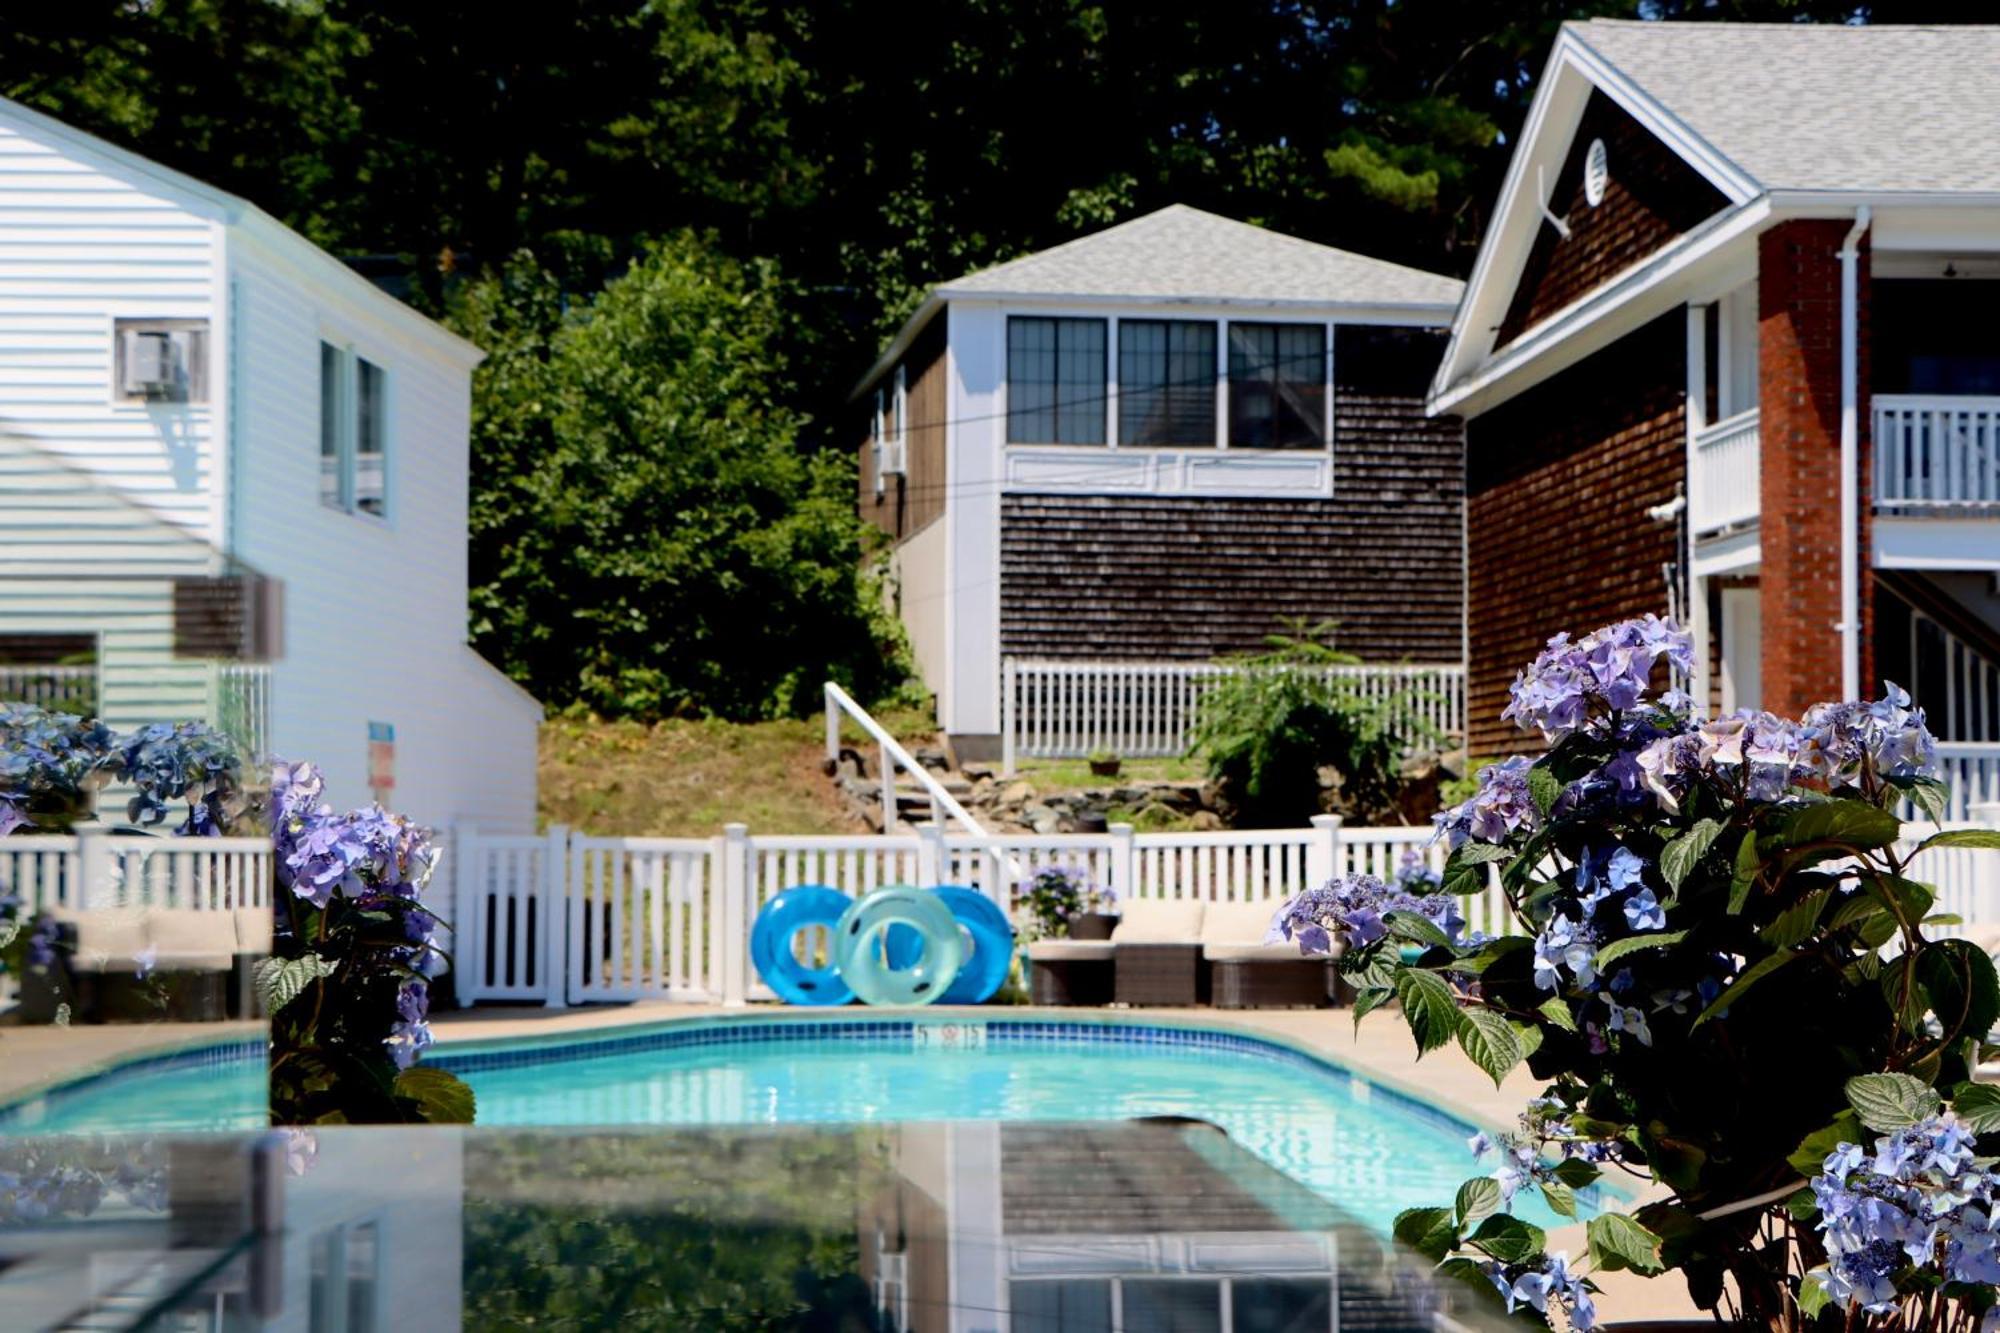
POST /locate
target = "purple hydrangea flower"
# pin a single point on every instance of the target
(1574, 685)
(1888, 736)
(1349, 909)
(1501, 805)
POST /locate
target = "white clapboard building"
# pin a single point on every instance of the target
(233, 479)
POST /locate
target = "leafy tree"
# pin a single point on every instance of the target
(647, 539)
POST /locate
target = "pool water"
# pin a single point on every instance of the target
(1367, 1149)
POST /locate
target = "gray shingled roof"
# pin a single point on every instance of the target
(1823, 106)
(1183, 254)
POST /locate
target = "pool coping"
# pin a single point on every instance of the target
(194, 1049)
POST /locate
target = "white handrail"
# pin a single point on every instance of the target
(891, 756)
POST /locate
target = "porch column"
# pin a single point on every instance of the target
(1799, 399)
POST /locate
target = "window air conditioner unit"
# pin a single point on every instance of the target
(895, 460)
(155, 364)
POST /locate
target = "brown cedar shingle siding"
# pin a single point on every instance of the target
(908, 503)
(1652, 195)
(1133, 577)
(1559, 480)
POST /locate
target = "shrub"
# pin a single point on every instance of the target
(1265, 730)
(1724, 976)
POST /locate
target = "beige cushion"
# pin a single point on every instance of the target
(1069, 951)
(188, 939)
(253, 929)
(1256, 953)
(1238, 923)
(1159, 921)
(108, 939)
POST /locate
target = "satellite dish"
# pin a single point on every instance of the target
(1596, 171)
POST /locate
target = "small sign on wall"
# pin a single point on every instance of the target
(948, 1036)
(382, 760)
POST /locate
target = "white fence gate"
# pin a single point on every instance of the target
(1066, 710)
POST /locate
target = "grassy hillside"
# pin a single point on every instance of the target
(681, 779)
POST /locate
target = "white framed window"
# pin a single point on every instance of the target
(1056, 380)
(353, 432)
(897, 453)
(878, 442)
(1277, 386)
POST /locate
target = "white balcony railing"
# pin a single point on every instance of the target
(1724, 488)
(65, 689)
(1936, 451)
(1972, 770)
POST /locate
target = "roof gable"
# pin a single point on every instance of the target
(1184, 254)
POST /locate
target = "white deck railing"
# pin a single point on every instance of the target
(94, 869)
(66, 689)
(1972, 770)
(1723, 491)
(1067, 710)
(1936, 451)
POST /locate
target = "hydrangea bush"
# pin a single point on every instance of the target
(1722, 968)
(354, 951)
(51, 763)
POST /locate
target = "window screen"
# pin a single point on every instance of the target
(1166, 381)
(331, 391)
(1055, 381)
(1277, 386)
(371, 452)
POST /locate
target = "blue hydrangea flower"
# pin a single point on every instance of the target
(1643, 912)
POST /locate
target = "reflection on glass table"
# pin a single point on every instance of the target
(973, 1227)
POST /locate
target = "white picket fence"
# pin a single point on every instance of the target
(94, 869)
(1067, 710)
(670, 918)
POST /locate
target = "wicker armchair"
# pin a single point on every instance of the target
(1246, 973)
(1070, 972)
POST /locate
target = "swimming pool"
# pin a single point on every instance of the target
(1368, 1148)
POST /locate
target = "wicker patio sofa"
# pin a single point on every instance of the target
(1246, 973)
(1157, 953)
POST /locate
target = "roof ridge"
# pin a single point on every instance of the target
(1732, 25)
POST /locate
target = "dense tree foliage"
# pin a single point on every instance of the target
(850, 151)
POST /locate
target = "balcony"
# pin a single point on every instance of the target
(1723, 490)
(1936, 453)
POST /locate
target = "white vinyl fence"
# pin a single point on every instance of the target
(670, 918)
(94, 869)
(1067, 710)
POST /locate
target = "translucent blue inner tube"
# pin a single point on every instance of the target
(987, 935)
(787, 914)
(864, 962)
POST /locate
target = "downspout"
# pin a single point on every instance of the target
(1850, 450)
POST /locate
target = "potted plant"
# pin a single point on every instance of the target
(1104, 764)
(1097, 916)
(1725, 977)
(1062, 901)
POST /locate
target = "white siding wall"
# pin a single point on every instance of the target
(920, 565)
(83, 243)
(375, 609)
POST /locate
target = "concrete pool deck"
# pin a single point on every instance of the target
(32, 1058)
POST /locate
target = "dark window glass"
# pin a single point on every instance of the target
(332, 389)
(1277, 386)
(1168, 1306)
(1934, 335)
(1061, 1306)
(1055, 381)
(371, 462)
(1276, 1305)
(1166, 381)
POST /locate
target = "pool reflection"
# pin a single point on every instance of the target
(981, 1227)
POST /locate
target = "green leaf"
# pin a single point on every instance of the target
(1753, 974)
(1930, 796)
(1379, 972)
(1811, 1155)
(1416, 927)
(1679, 857)
(1813, 1296)
(442, 1098)
(279, 981)
(1561, 1198)
(1904, 995)
(1365, 1002)
(1478, 1198)
(1978, 1106)
(1531, 1039)
(1888, 1102)
(1489, 953)
(1576, 1173)
(1796, 922)
(1509, 1239)
(1854, 823)
(1545, 787)
(1431, 1232)
(1616, 1241)
(1802, 1206)
(1963, 837)
(1617, 949)
(1748, 863)
(1491, 1042)
(1464, 870)
(1556, 1010)
(1428, 1007)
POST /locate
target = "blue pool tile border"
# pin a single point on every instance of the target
(209, 1055)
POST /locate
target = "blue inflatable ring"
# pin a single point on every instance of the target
(859, 951)
(985, 926)
(783, 918)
